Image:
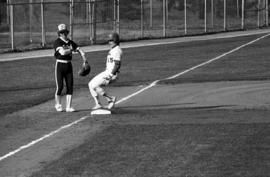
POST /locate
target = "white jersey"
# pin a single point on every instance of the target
(114, 55)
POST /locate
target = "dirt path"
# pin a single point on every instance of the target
(218, 95)
(224, 95)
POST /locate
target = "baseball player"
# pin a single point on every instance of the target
(64, 47)
(110, 74)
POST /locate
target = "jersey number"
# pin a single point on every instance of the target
(110, 60)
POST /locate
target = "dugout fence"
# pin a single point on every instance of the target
(29, 24)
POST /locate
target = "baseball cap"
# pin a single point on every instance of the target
(62, 28)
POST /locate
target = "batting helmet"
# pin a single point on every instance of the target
(114, 37)
(85, 70)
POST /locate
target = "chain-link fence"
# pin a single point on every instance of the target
(28, 24)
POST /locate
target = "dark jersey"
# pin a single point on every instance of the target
(60, 43)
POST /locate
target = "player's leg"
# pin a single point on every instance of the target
(93, 84)
(95, 87)
(100, 91)
(69, 85)
(111, 100)
(96, 99)
(59, 86)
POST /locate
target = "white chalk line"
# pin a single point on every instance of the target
(42, 138)
(126, 98)
(193, 68)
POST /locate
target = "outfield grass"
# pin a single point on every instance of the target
(35, 77)
(166, 142)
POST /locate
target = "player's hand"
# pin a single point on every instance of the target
(85, 63)
(66, 50)
(71, 48)
(109, 76)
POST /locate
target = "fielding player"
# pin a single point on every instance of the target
(110, 74)
(64, 47)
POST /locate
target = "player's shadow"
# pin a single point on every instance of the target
(160, 107)
(165, 107)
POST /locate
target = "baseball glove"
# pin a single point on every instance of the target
(85, 70)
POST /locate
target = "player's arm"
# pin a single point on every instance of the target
(81, 52)
(113, 73)
(64, 50)
(60, 50)
(117, 62)
(116, 68)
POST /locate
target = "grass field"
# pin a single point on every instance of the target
(210, 122)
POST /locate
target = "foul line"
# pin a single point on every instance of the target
(193, 68)
(128, 97)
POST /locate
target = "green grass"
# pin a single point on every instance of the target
(35, 77)
(170, 147)
(196, 142)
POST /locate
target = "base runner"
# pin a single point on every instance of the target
(108, 76)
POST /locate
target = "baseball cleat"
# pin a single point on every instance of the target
(58, 108)
(98, 106)
(70, 109)
(111, 103)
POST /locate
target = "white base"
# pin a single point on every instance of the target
(101, 112)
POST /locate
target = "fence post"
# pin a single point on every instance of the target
(42, 24)
(258, 14)
(118, 16)
(243, 15)
(71, 14)
(167, 10)
(225, 15)
(93, 22)
(114, 15)
(8, 18)
(86, 12)
(237, 10)
(164, 18)
(205, 16)
(212, 13)
(30, 20)
(185, 11)
(142, 19)
(89, 19)
(266, 13)
(11, 20)
(151, 13)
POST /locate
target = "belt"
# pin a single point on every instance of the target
(63, 61)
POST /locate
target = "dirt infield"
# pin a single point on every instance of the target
(212, 96)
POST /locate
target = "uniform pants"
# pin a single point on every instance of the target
(95, 85)
(64, 73)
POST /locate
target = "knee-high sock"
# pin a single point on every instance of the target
(94, 94)
(68, 101)
(57, 99)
